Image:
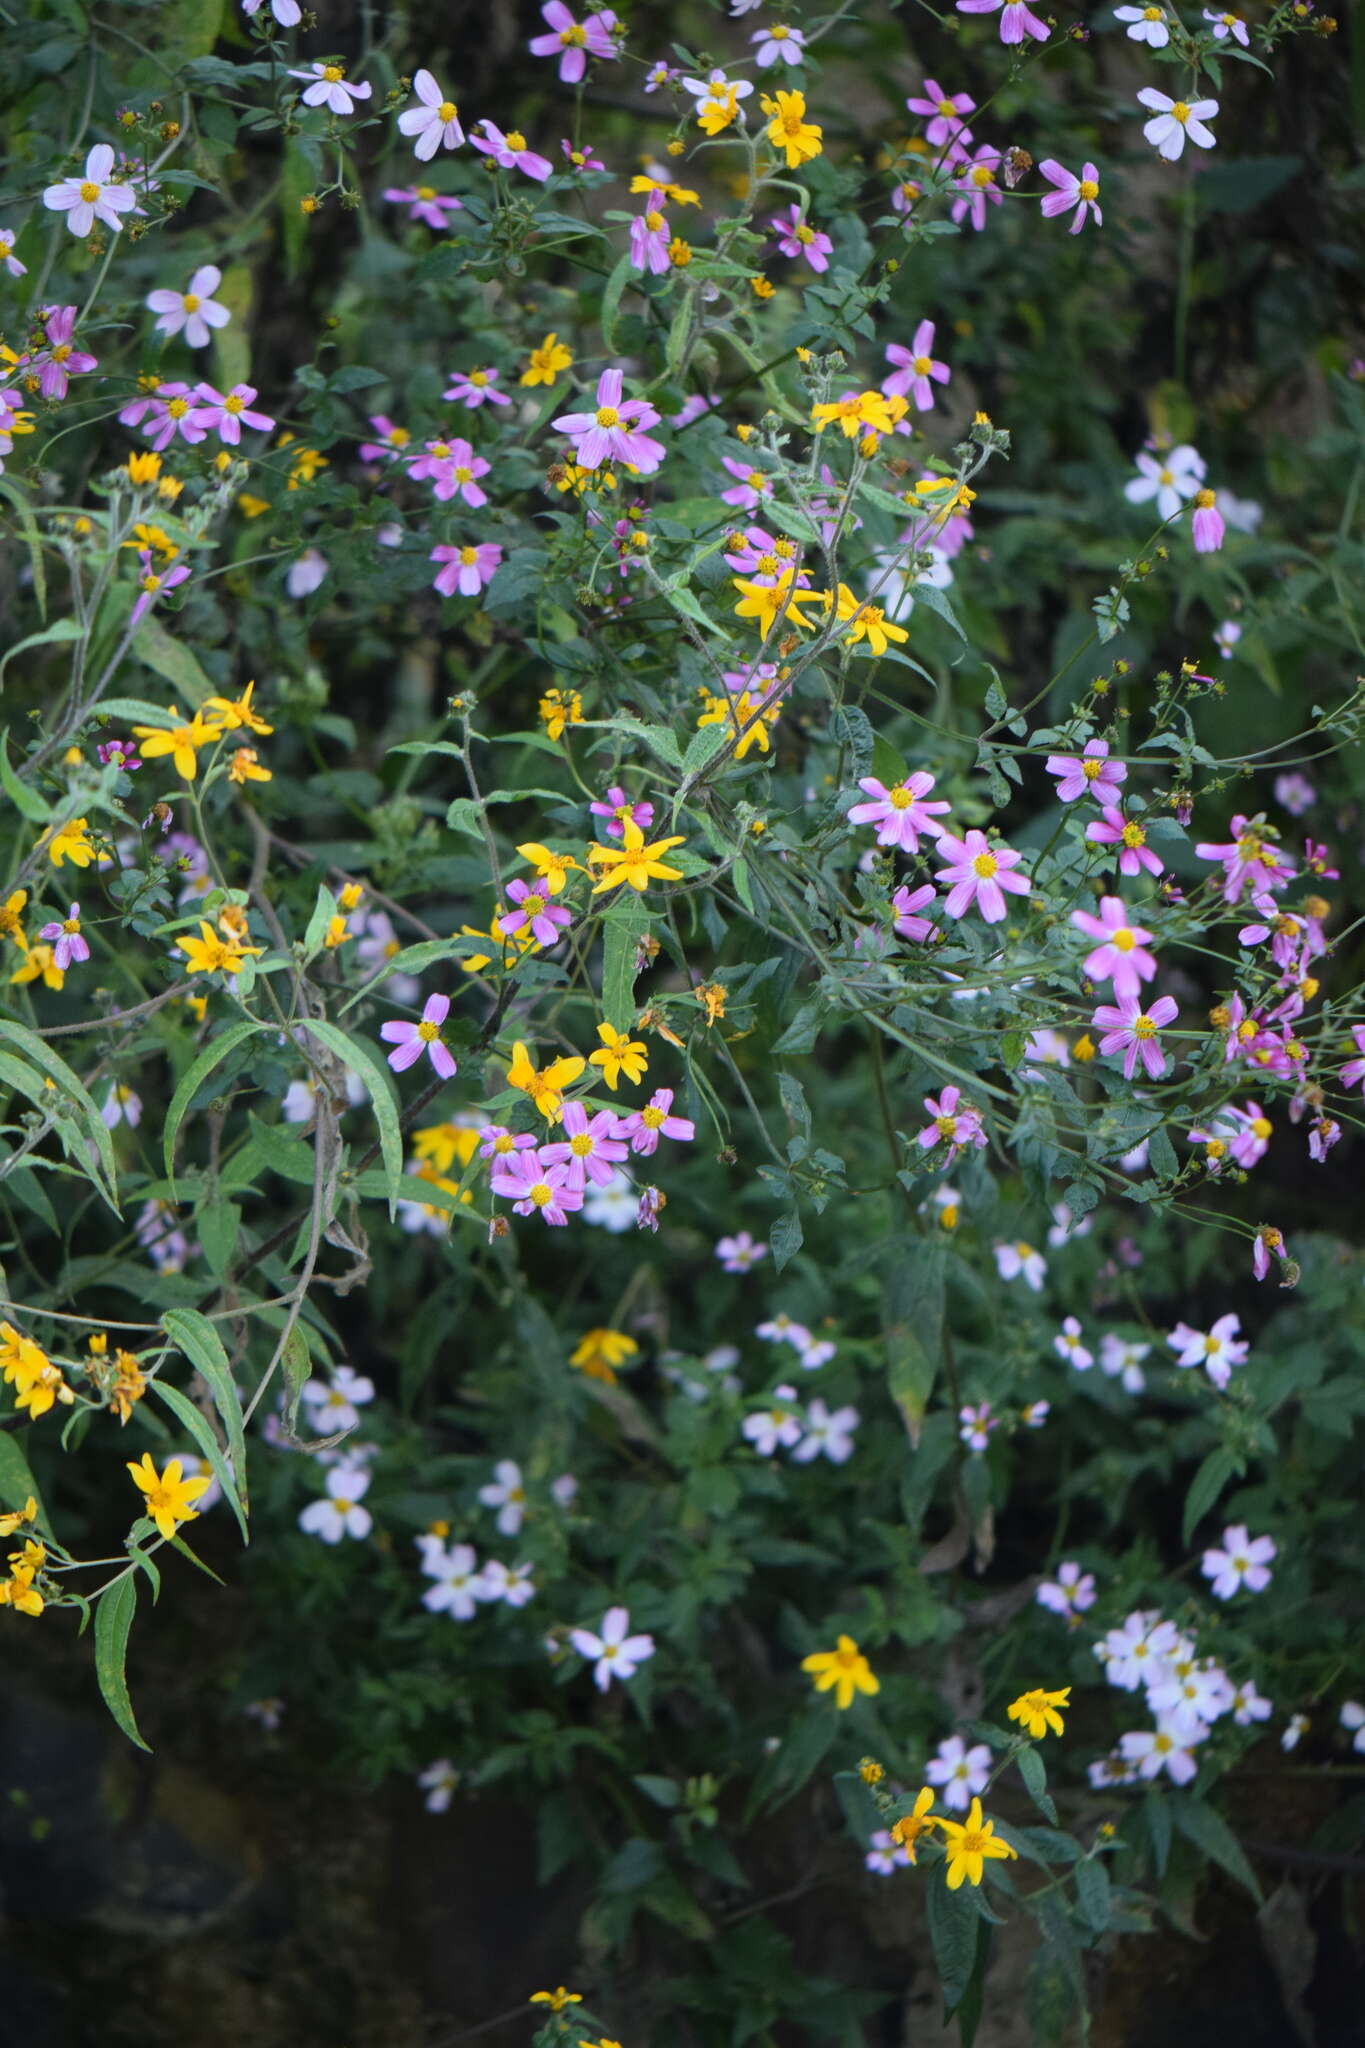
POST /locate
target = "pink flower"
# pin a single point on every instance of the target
(947, 114)
(979, 873)
(153, 584)
(92, 196)
(230, 413)
(435, 121)
(59, 361)
(548, 921)
(1270, 1244)
(901, 814)
(1132, 1031)
(468, 570)
(582, 158)
(915, 366)
(1354, 1070)
(977, 1424)
(424, 204)
(1080, 192)
(531, 1183)
(495, 1141)
(392, 444)
(957, 1126)
(1242, 1561)
(410, 1041)
(1092, 774)
(573, 43)
(977, 184)
(906, 903)
(644, 1127)
(617, 808)
(1322, 1137)
(509, 152)
(123, 753)
(170, 411)
(454, 470)
(473, 388)
(69, 947)
(796, 237)
(739, 1253)
(1249, 857)
(1206, 526)
(194, 312)
(590, 1149)
(614, 431)
(1015, 21)
(1120, 956)
(649, 243)
(1072, 1591)
(1113, 829)
(1217, 1350)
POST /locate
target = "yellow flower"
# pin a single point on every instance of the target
(845, 1670)
(551, 868)
(871, 1772)
(169, 488)
(767, 602)
(680, 195)
(27, 1513)
(129, 1386)
(10, 914)
(868, 621)
(252, 507)
(208, 954)
(71, 842)
(569, 476)
(544, 1085)
(144, 467)
(245, 766)
(182, 740)
(556, 2000)
(305, 467)
(711, 995)
(237, 712)
(1084, 1048)
(679, 253)
(547, 361)
(336, 934)
(970, 1845)
(761, 287)
(598, 1353)
(168, 1495)
(908, 1829)
(442, 1144)
(19, 1592)
(1037, 1711)
(558, 708)
(40, 960)
(739, 713)
(619, 1054)
(633, 862)
(854, 412)
(790, 130)
(154, 540)
(719, 110)
(352, 896)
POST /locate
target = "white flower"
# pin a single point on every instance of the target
(1243, 1561)
(328, 88)
(1071, 1592)
(1298, 1727)
(1146, 25)
(1248, 1705)
(121, 1106)
(1167, 1747)
(817, 1353)
(1108, 1771)
(738, 1253)
(459, 1586)
(716, 86)
(1069, 1346)
(1242, 513)
(195, 311)
(769, 1427)
(7, 255)
(885, 1854)
(1204, 1691)
(961, 1773)
(564, 1490)
(613, 1206)
(781, 1329)
(1227, 635)
(92, 197)
(287, 13)
(1121, 1357)
(1217, 1350)
(1171, 479)
(435, 123)
(1175, 119)
(506, 1493)
(778, 45)
(1047, 1048)
(338, 1514)
(513, 1587)
(1352, 1719)
(438, 1780)
(1130, 1653)
(305, 573)
(1012, 1260)
(1064, 1225)
(1225, 25)
(830, 1434)
(337, 1406)
(616, 1653)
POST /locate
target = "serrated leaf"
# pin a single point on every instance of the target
(1207, 1829)
(785, 1239)
(113, 1619)
(623, 926)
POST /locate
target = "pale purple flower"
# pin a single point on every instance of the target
(614, 431)
(1321, 1138)
(435, 121)
(122, 754)
(1091, 773)
(93, 196)
(439, 1779)
(1206, 525)
(306, 573)
(906, 904)
(901, 814)
(532, 1183)
(649, 243)
(506, 1493)
(796, 237)
(338, 1513)
(533, 907)
(153, 583)
(1225, 638)
(574, 42)
(1016, 19)
(648, 1209)
(960, 1773)
(1172, 479)
(1174, 120)
(885, 1854)
(644, 1127)
(458, 1586)
(1070, 1347)
(1269, 1244)
(1218, 1350)
(453, 470)
(1168, 1747)
(424, 203)
(1131, 1030)
(613, 1651)
(956, 1125)
(7, 256)
(946, 112)
(977, 1424)
(169, 412)
(467, 570)
(392, 444)
(410, 1041)
(509, 152)
(229, 412)
(122, 1105)
(1243, 1560)
(590, 1147)
(778, 45)
(828, 1434)
(287, 13)
(1019, 1261)
(1295, 793)
(496, 1141)
(1225, 25)
(738, 1254)
(194, 312)
(1113, 829)
(1354, 1070)
(512, 1586)
(915, 371)
(1145, 25)
(767, 1428)
(1070, 1593)
(473, 388)
(1249, 1706)
(69, 946)
(1120, 955)
(1249, 858)
(617, 807)
(327, 87)
(660, 75)
(60, 360)
(980, 874)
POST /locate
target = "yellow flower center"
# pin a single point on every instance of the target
(515, 140)
(973, 1843)
(463, 473)
(652, 1117)
(190, 301)
(1164, 476)
(447, 110)
(1134, 836)
(1088, 189)
(178, 407)
(983, 176)
(1180, 112)
(1261, 1126)
(581, 1146)
(332, 73)
(533, 905)
(1151, 14)
(573, 37)
(60, 353)
(653, 221)
(945, 1125)
(1205, 500)
(805, 235)
(947, 107)
(923, 365)
(89, 193)
(151, 583)
(1092, 768)
(73, 924)
(542, 1195)
(985, 865)
(1143, 1027)
(440, 449)
(427, 1031)
(607, 415)
(779, 35)
(426, 192)
(767, 565)
(1122, 938)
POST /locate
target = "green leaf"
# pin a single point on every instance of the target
(1033, 1771)
(958, 1935)
(1213, 1475)
(379, 1082)
(623, 926)
(26, 801)
(1092, 1894)
(193, 1419)
(297, 1365)
(324, 910)
(172, 660)
(786, 1239)
(113, 1619)
(24, 513)
(195, 1335)
(611, 303)
(17, 1483)
(861, 1810)
(1207, 1829)
(60, 631)
(36, 1050)
(214, 1053)
(216, 1226)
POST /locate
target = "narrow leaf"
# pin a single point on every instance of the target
(113, 1619)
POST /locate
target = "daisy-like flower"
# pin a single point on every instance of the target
(777, 1425)
(740, 1253)
(796, 237)
(616, 807)
(619, 1054)
(1037, 1711)
(475, 388)
(612, 1650)
(453, 470)
(506, 1493)
(1120, 955)
(633, 863)
(459, 1584)
(7, 256)
(166, 414)
(1130, 837)
(590, 1147)
(844, 1671)
(1243, 1560)
(614, 431)
(534, 909)
(828, 1434)
(194, 312)
(339, 1513)
(1016, 19)
(946, 113)
(1131, 1030)
(1121, 1358)
(1168, 1747)
(438, 1780)
(971, 1845)
(718, 99)
(885, 1854)
(410, 1041)
(69, 946)
(513, 1587)
(649, 242)
(1069, 1345)
(901, 813)
(789, 130)
(1090, 773)
(467, 570)
(227, 413)
(959, 1773)
(906, 904)
(1081, 192)
(1225, 25)
(1175, 120)
(183, 738)
(980, 874)
(287, 13)
(977, 1425)
(336, 1403)
(434, 121)
(92, 197)
(1019, 1261)
(778, 45)
(169, 1497)
(1070, 1593)
(122, 1105)
(977, 185)
(915, 372)
(644, 1128)
(1172, 479)
(954, 1123)
(509, 152)
(1145, 25)
(535, 1185)
(1206, 523)
(1218, 1350)
(1248, 1706)
(425, 203)
(574, 42)
(328, 87)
